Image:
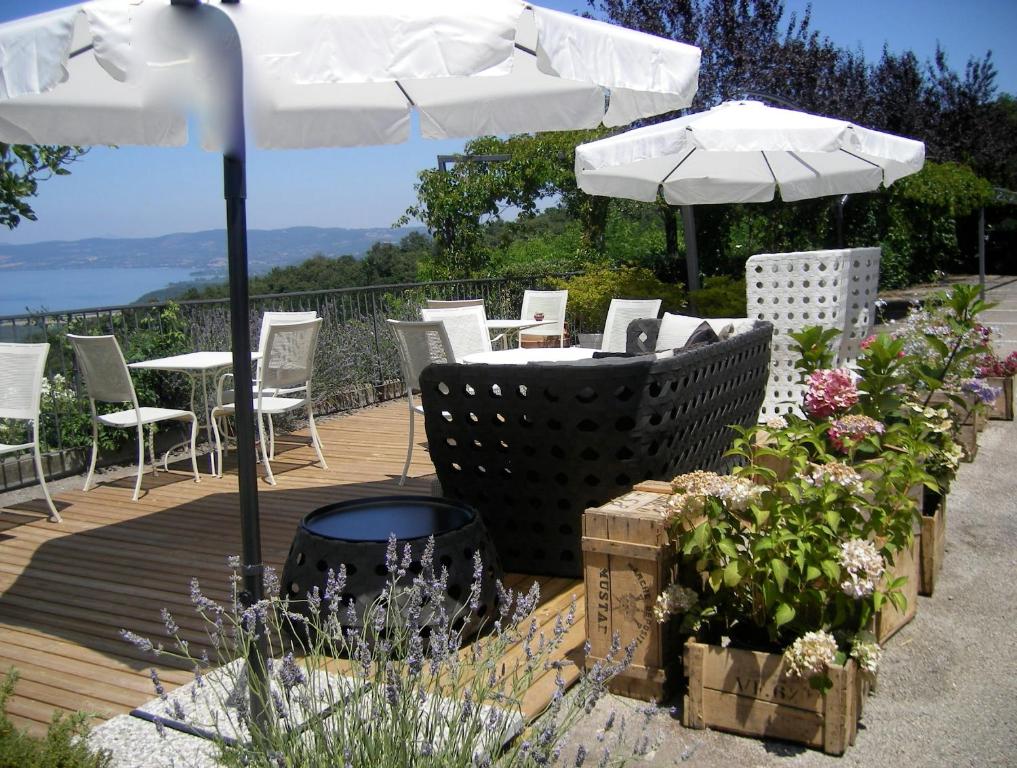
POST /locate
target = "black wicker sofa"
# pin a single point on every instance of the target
(532, 446)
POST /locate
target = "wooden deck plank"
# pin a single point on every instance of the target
(67, 589)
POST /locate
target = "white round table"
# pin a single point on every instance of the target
(530, 355)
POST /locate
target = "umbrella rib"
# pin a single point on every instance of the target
(859, 157)
(770, 167)
(83, 49)
(408, 97)
(679, 165)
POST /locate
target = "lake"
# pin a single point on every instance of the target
(62, 289)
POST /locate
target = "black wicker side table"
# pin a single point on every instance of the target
(356, 533)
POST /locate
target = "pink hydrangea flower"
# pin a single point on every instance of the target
(830, 392)
(867, 341)
(854, 428)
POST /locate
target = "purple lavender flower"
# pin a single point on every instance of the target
(290, 674)
(157, 683)
(143, 644)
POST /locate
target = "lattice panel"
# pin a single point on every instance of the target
(834, 289)
(533, 446)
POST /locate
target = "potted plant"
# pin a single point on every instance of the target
(1000, 374)
(777, 584)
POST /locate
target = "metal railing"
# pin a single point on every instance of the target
(356, 362)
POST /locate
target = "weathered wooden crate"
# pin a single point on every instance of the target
(932, 543)
(1002, 409)
(890, 619)
(750, 692)
(627, 559)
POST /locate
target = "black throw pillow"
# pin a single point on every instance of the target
(704, 334)
(602, 355)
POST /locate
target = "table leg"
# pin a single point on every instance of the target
(208, 421)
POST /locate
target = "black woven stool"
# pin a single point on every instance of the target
(356, 533)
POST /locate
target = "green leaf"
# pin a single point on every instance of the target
(821, 683)
(701, 535)
(812, 573)
(780, 572)
(783, 614)
(831, 570)
(727, 546)
(731, 574)
(716, 579)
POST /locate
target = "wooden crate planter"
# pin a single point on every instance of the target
(932, 543)
(627, 560)
(890, 619)
(749, 692)
(1002, 409)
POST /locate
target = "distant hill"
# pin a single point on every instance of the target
(203, 252)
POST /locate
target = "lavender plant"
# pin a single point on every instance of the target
(396, 686)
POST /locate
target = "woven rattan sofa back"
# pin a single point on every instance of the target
(532, 446)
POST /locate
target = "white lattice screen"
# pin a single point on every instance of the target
(835, 289)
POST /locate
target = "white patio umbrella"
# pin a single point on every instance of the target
(319, 73)
(744, 152)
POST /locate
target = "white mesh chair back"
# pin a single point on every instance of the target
(288, 362)
(103, 369)
(551, 304)
(466, 328)
(268, 318)
(22, 367)
(859, 302)
(796, 290)
(620, 314)
(453, 303)
(419, 345)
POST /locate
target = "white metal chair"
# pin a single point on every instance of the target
(550, 304)
(267, 319)
(466, 328)
(419, 345)
(108, 380)
(453, 303)
(286, 370)
(22, 370)
(620, 314)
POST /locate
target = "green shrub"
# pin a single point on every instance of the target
(720, 296)
(590, 294)
(64, 745)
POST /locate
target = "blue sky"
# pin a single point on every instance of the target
(140, 192)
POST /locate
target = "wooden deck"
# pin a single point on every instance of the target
(67, 589)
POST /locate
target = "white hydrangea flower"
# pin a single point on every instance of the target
(692, 489)
(868, 656)
(864, 566)
(775, 422)
(837, 473)
(674, 600)
(811, 654)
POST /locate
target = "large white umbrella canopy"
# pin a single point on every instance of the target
(743, 152)
(328, 73)
(316, 73)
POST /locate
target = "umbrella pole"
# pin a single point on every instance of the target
(247, 478)
(691, 249)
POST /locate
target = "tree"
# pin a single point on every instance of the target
(456, 203)
(22, 167)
